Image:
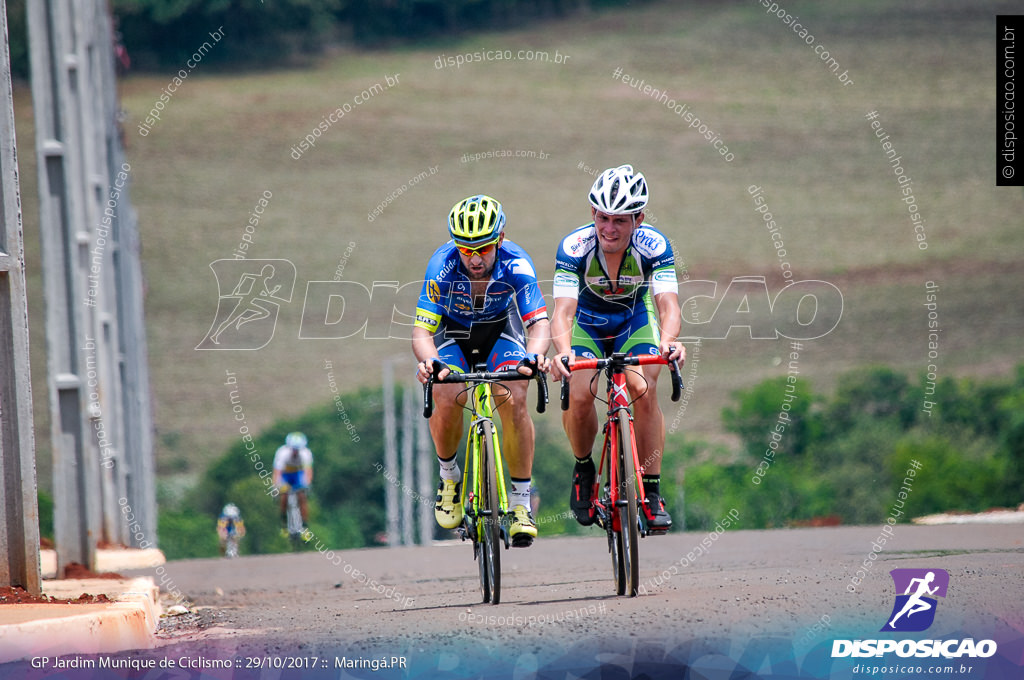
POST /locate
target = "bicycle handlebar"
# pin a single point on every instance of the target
(616, 363)
(482, 376)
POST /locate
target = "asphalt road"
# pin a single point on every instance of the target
(769, 601)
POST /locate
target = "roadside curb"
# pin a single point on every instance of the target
(130, 622)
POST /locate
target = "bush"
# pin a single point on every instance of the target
(757, 415)
(857, 452)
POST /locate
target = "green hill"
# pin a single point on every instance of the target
(527, 116)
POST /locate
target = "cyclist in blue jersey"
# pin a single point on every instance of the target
(480, 303)
(615, 290)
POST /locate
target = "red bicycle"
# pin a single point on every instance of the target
(617, 507)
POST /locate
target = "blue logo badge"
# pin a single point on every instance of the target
(916, 593)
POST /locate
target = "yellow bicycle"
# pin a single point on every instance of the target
(485, 502)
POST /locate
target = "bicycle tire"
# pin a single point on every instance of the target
(492, 521)
(628, 519)
(472, 517)
(294, 521)
(614, 539)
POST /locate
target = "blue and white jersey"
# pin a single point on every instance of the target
(582, 273)
(447, 290)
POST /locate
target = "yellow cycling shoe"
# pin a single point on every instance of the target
(523, 529)
(448, 507)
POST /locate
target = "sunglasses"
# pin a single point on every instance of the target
(482, 251)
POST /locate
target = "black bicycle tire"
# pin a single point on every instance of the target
(614, 537)
(492, 522)
(628, 519)
(478, 527)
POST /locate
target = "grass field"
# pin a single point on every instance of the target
(793, 127)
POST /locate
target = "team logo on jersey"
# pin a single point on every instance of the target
(577, 242)
(522, 267)
(433, 291)
(649, 242)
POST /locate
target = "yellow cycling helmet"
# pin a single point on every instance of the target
(477, 220)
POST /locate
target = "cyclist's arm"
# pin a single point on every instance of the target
(424, 349)
(671, 323)
(278, 467)
(306, 458)
(538, 339)
(561, 331)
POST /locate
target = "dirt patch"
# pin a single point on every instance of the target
(76, 570)
(16, 595)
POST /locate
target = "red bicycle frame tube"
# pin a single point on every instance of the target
(618, 399)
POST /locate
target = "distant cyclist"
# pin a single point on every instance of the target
(293, 472)
(481, 303)
(614, 280)
(230, 528)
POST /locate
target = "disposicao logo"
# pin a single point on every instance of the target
(917, 591)
(914, 609)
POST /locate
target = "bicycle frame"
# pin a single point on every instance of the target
(618, 401)
(480, 406)
(487, 498)
(618, 512)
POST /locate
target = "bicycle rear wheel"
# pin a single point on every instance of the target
(492, 515)
(628, 519)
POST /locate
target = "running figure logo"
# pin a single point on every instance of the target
(915, 608)
(246, 317)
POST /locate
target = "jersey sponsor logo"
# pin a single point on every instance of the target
(649, 242)
(664, 276)
(578, 242)
(427, 320)
(448, 267)
(522, 267)
(567, 280)
(433, 291)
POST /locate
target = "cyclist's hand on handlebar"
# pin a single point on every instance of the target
(425, 369)
(673, 351)
(560, 370)
(531, 363)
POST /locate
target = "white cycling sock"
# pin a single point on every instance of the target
(450, 468)
(519, 494)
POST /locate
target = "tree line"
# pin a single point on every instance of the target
(840, 459)
(159, 34)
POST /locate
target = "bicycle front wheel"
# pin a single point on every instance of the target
(628, 520)
(492, 515)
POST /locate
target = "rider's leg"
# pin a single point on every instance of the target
(446, 431)
(649, 429)
(517, 446)
(517, 442)
(446, 421)
(303, 508)
(580, 421)
(517, 438)
(649, 422)
(581, 426)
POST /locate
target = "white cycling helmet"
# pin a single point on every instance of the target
(619, 191)
(295, 440)
(231, 511)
